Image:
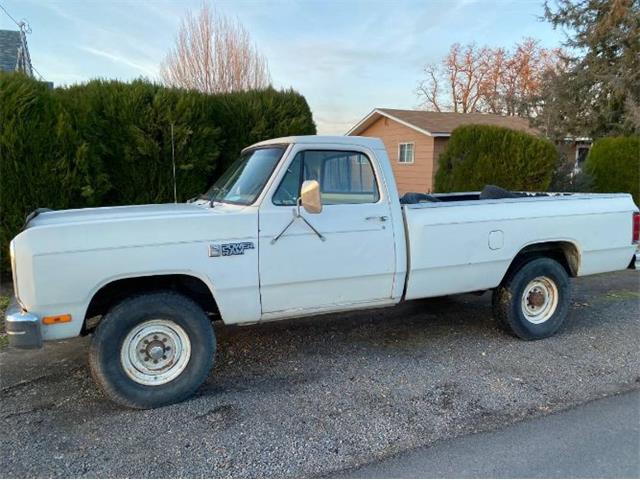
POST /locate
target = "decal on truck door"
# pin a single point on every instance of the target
(227, 249)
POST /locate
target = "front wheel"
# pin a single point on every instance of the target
(152, 350)
(533, 301)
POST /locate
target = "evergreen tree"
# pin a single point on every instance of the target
(599, 94)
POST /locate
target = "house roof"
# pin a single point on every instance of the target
(10, 43)
(440, 124)
(13, 53)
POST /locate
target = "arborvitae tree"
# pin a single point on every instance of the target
(614, 165)
(478, 155)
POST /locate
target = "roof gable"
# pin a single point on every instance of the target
(441, 124)
(14, 53)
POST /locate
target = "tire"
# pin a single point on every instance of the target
(152, 350)
(533, 300)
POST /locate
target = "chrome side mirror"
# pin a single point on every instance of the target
(310, 196)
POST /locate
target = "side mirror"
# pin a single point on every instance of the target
(310, 196)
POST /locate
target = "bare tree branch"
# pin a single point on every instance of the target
(489, 80)
(214, 54)
(430, 88)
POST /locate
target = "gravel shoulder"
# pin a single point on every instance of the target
(315, 396)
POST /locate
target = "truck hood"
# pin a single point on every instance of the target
(123, 227)
(113, 214)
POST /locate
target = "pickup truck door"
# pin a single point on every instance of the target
(353, 264)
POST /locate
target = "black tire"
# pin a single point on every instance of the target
(508, 303)
(107, 367)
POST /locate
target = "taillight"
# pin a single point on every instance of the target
(636, 227)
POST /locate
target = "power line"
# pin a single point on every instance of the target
(9, 15)
(36, 70)
(24, 27)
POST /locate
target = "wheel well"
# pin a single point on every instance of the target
(565, 253)
(116, 291)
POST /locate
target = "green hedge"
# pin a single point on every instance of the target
(614, 165)
(109, 143)
(477, 155)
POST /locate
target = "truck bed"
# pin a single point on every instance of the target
(462, 243)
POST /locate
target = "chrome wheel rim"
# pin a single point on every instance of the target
(539, 300)
(155, 352)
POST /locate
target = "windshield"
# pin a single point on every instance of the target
(246, 177)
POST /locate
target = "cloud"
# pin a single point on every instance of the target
(147, 68)
(124, 33)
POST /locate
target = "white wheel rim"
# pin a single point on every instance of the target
(155, 352)
(539, 300)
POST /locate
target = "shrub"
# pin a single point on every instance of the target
(109, 143)
(614, 164)
(478, 155)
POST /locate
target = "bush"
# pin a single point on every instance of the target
(614, 164)
(478, 155)
(109, 143)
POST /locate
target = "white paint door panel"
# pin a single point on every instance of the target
(354, 265)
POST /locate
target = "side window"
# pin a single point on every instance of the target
(348, 178)
(289, 189)
(344, 177)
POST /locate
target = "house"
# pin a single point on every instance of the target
(14, 52)
(414, 139)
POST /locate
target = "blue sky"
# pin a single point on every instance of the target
(346, 57)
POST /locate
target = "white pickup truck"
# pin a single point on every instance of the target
(297, 226)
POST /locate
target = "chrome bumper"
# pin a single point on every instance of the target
(23, 328)
(635, 261)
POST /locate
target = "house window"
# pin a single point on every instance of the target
(405, 153)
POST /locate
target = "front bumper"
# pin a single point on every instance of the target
(23, 328)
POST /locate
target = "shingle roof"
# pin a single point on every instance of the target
(10, 43)
(442, 123)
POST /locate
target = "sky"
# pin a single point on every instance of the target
(345, 57)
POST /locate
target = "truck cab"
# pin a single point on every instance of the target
(351, 253)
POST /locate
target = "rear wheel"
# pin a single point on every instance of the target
(152, 350)
(533, 301)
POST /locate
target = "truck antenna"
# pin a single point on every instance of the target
(173, 161)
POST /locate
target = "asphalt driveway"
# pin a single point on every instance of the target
(312, 397)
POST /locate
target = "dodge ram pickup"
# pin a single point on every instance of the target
(297, 226)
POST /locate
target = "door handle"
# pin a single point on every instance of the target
(380, 218)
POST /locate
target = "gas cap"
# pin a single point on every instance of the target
(496, 239)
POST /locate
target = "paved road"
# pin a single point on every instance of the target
(600, 439)
(309, 397)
